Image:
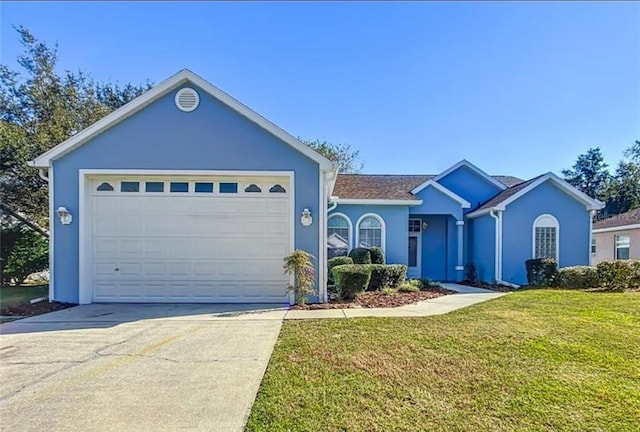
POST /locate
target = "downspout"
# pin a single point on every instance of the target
(333, 203)
(498, 249)
(43, 176)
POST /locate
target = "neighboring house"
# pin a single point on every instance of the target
(616, 237)
(186, 195)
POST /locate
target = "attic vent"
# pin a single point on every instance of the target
(187, 99)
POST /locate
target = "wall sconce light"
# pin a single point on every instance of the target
(306, 218)
(64, 215)
(424, 225)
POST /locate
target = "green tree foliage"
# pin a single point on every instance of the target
(40, 108)
(347, 158)
(589, 173)
(619, 191)
(22, 252)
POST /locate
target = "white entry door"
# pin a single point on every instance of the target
(190, 239)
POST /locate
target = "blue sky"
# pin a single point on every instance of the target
(516, 88)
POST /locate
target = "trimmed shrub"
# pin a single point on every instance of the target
(377, 256)
(23, 251)
(428, 283)
(619, 275)
(386, 276)
(541, 271)
(578, 277)
(351, 279)
(413, 285)
(336, 261)
(360, 256)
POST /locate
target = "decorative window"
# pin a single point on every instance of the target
(338, 235)
(104, 187)
(414, 225)
(179, 187)
(277, 189)
(546, 237)
(253, 188)
(593, 245)
(371, 231)
(623, 244)
(228, 187)
(129, 186)
(203, 187)
(154, 187)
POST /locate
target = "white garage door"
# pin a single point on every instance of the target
(190, 239)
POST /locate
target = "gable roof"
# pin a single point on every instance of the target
(434, 184)
(473, 168)
(166, 86)
(389, 186)
(504, 198)
(627, 220)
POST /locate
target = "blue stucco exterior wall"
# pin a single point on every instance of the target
(470, 186)
(436, 202)
(213, 137)
(439, 247)
(517, 230)
(481, 246)
(396, 220)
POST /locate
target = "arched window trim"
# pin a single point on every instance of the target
(349, 224)
(539, 223)
(383, 231)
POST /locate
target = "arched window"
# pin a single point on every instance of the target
(371, 231)
(338, 235)
(546, 237)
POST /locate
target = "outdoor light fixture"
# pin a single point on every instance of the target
(64, 215)
(306, 218)
(424, 225)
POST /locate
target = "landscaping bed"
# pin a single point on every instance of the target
(381, 299)
(484, 285)
(26, 309)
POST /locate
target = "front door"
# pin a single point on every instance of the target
(415, 247)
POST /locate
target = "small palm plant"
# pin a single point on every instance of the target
(298, 263)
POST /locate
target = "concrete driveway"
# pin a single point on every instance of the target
(135, 367)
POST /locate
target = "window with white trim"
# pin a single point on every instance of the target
(370, 232)
(594, 245)
(545, 237)
(338, 236)
(623, 245)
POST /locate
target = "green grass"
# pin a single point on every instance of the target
(530, 361)
(11, 295)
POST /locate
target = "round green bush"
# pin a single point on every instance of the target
(351, 279)
(360, 256)
(578, 277)
(377, 256)
(334, 262)
(386, 276)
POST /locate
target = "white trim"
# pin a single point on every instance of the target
(459, 268)
(52, 243)
(344, 216)
(616, 247)
(322, 238)
(616, 228)
(175, 81)
(383, 232)
(592, 213)
(498, 244)
(479, 213)
(293, 218)
(379, 202)
(463, 202)
(85, 288)
(554, 224)
(473, 168)
(460, 222)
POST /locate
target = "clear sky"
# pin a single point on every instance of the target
(516, 88)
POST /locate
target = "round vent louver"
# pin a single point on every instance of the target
(187, 99)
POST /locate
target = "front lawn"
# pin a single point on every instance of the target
(529, 361)
(12, 295)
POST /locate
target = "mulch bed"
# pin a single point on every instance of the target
(494, 287)
(26, 309)
(377, 299)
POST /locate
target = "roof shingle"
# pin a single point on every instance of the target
(632, 217)
(389, 187)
